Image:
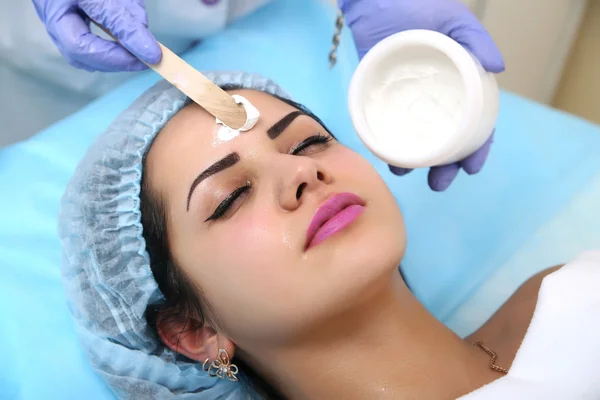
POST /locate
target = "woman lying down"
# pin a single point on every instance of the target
(266, 266)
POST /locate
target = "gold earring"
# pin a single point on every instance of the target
(221, 367)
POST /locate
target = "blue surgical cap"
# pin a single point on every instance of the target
(106, 268)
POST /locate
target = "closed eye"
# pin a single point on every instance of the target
(229, 201)
(311, 143)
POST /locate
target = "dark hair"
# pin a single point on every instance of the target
(182, 299)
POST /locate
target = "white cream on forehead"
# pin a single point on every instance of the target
(225, 133)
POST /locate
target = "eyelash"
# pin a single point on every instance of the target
(297, 150)
(228, 202)
(318, 139)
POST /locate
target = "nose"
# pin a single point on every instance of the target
(300, 177)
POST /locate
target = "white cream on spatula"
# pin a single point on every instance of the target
(225, 133)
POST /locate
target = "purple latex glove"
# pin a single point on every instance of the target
(373, 20)
(68, 24)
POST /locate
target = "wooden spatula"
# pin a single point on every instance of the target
(197, 87)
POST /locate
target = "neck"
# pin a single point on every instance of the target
(388, 348)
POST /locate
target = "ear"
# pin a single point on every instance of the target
(187, 337)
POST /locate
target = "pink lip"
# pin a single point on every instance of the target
(334, 215)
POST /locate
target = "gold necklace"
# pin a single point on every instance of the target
(493, 357)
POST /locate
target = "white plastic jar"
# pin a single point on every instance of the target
(419, 99)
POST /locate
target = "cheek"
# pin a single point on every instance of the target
(352, 169)
(387, 223)
(256, 237)
(252, 281)
(250, 253)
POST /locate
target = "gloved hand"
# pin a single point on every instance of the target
(68, 24)
(373, 20)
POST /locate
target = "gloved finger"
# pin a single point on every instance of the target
(78, 44)
(440, 178)
(136, 8)
(474, 163)
(131, 33)
(399, 171)
(472, 35)
(79, 65)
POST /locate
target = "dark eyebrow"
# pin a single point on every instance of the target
(219, 166)
(283, 123)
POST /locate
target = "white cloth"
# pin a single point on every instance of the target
(559, 357)
(39, 87)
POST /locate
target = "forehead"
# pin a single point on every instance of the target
(194, 124)
(189, 139)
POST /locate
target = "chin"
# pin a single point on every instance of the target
(367, 255)
(384, 256)
(348, 270)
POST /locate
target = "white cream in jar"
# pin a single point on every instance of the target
(419, 99)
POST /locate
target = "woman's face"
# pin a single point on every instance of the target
(240, 219)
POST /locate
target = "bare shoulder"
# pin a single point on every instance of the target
(505, 330)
